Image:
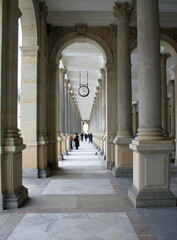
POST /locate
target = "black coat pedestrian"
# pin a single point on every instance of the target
(76, 140)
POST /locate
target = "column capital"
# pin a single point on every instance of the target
(122, 9)
(102, 72)
(62, 72)
(66, 82)
(164, 57)
(99, 82)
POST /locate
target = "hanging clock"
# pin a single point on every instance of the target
(83, 88)
(83, 91)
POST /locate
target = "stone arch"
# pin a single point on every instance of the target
(167, 42)
(74, 38)
(28, 22)
(170, 45)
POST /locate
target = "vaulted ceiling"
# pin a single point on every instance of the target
(86, 57)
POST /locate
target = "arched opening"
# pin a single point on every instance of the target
(84, 105)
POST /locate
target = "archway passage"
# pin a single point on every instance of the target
(83, 62)
(80, 66)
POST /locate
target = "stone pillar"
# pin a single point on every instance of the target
(175, 76)
(151, 186)
(59, 139)
(100, 114)
(66, 83)
(123, 154)
(12, 192)
(43, 170)
(164, 58)
(52, 115)
(111, 114)
(172, 93)
(69, 108)
(134, 120)
(28, 104)
(102, 71)
(62, 109)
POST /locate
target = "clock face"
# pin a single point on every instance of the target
(83, 91)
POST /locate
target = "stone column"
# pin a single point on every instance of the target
(98, 115)
(43, 170)
(59, 138)
(52, 115)
(62, 73)
(111, 113)
(66, 82)
(123, 155)
(164, 58)
(172, 93)
(175, 76)
(12, 192)
(100, 112)
(151, 186)
(134, 120)
(69, 109)
(102, 71)
(28, 104)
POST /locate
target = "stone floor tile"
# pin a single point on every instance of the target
(79, 186)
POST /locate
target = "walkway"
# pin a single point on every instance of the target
(82, 201)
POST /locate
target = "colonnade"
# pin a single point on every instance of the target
(49, 109)
(146, 156)
(69, 119)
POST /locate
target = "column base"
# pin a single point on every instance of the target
(151, 174)
(60, 157)
(14, 199)
(123, 158)
(102, 152)
(152, 198)
(30, 173)
(122, 172)
(110, 165)
(43, 173)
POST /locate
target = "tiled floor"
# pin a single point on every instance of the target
(83, 201)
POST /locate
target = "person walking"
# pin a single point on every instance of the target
(76, 140)
(71, 138)
(85, 136)
(90, 137)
